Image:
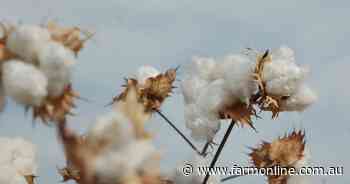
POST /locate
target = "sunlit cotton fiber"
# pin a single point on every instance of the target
(17, 159)
(24, 83)
(56, 61)
(26, 41)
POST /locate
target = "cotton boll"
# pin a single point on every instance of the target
(283, 77)
(27, 40)
(197, 161)
(139, 152)
(203, 126)
(114, 165)
(237, 71)
(284, 53)
(113, 129)
(17, 160)
(202, 67)
(55, 62)
(146, 72)
(299, 101)
(24, 83)
(213, 97)
(111, 168)
(7, 174)
(192, 87)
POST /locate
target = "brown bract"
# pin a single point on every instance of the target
(153, 93)
(5, 53)
(69, 173)
(30, 179)
(265, 101)
(240, 112)
(56, 109)
(70, 37)
(283, 152)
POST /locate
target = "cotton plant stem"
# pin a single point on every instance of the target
(231, 177)
(205, 148)
(218, 152)
(179, 132)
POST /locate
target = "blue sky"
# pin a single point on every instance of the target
(165, 34)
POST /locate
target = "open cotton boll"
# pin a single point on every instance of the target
(202, 67)
(237, 71)
(283, 77)
(17, 160)
(113, 129)
(213, 97)
(27, 40)
(303, 98)
(8, 175)
(203, 126)
(197, 161)
(145, 72)
(114, 166)
(55, 62)
(191, 88)
(111, 168)
(24, 83)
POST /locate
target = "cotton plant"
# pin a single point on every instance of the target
(35, 67)
(238, 86)
(285, 152)
(114, 150)
(18, 163)
(281, 82)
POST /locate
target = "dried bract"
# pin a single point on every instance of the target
(284, 152)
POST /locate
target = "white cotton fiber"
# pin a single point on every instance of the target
(202, 67)
(24, 83)
(213, 97)
(299, 101)
(27, 40)
(210, 85)
(146, 72)
(17, 160)
(237, 71)
(55, 61)
(282, 75)
(114, 129)
(115, 165)
(197, 161)
(203, 126)
(191, 88)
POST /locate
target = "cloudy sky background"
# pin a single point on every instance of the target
(165, 34)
